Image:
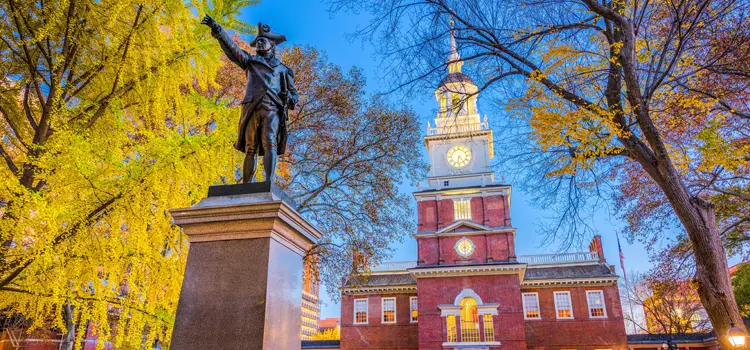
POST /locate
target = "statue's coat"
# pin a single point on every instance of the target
(264, 76)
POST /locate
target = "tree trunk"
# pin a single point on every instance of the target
(68, 340)
(712, 272)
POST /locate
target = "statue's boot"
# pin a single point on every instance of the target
(248, 168)
(269, 162)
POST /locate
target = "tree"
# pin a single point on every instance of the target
(101, 134)
(670, 306)
(640, 103)
(347, 154)
(328, 334)
(741, 284)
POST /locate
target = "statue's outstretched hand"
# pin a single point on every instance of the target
(210, 22)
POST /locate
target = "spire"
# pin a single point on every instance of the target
(454, 59)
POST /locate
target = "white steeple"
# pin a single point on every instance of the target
(460, 144)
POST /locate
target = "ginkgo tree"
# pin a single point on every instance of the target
(101, 133)
(638, 103)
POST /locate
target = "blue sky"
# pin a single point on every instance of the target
(308, 22)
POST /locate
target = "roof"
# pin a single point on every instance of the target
(321, 344)
(572, 271)
(379, 280)
(456, 77)
(677, 338)
(331, 322)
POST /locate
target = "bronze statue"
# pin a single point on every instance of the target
(269, 93)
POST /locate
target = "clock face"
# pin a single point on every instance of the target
(464, 247)
(458, 156)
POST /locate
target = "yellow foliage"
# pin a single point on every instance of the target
(328, 334)
(97, 234)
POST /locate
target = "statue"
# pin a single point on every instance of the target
(269, 94)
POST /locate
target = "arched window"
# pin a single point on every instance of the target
(456, 102)
(443, 107)
(469, 320)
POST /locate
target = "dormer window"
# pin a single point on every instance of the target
(462, 209)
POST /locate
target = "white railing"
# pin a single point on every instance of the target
(560, 258)
(455, 128)
(393, 266)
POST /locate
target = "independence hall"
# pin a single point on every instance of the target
(468, 289)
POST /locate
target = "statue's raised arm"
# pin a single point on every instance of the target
(270, 92)
(231, 49)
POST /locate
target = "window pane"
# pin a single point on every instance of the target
(531, 305)
(389, 310)
(469, 321)
(489, 330)
(413, 309)
(451, 328)
(360, 311)
(462, 209)
(596, 303)
(563, 305)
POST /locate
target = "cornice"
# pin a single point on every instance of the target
(412, 288)
(551, 283)
(470, 270)
(464, 233)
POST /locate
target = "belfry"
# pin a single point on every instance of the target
(467, 288)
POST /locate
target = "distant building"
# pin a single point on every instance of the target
(468, 289)
(329, 323)
(310, 303)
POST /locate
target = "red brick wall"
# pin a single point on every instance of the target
(497, 211)
(375, 334)
(502, 289)
(494, 247)
(432, 215)
(582, 332)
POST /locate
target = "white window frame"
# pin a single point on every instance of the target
(538, 306)
(557, 309)
(411, 308)
(604, 303)
(367, 310)
(382, 310)
(467, 202)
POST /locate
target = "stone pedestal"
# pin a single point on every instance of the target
(243, 280)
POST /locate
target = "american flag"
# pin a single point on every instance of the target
(622, 258)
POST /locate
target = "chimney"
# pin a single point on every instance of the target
(596, 246)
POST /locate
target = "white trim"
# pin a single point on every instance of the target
(430, 234)
(411, 318)
(382, 310)
(463, 222)
(604, 303)
(467, 293)
(367, 310)
(378, 290)
(479, 343)
(538, 306)
(597, 281)
(570, 299)
(469, 270)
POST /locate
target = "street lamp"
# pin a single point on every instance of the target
(736, 335)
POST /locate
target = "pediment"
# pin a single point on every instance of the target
(461, 226)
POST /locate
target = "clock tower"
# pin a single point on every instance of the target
(465, 241)
(459, 143)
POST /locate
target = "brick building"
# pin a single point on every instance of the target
(468, 288)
